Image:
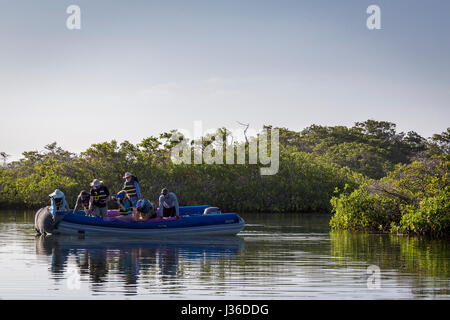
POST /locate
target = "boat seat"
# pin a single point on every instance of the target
(211, 210)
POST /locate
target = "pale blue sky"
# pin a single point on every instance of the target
(138, 68)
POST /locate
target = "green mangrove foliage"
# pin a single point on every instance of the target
(303, 183)
(413, 199)
(372, 148)
(314, 163)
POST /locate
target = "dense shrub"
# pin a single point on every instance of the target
(412, 199)
(315, 163)
(303, 183)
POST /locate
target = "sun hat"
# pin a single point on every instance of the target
(96, 183)
(127, 174)
(56, 194)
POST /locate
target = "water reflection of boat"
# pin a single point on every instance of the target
(191, 223)
(45, 245)
(102, 257)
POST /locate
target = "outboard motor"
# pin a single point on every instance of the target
(212, 210)
(44, 222)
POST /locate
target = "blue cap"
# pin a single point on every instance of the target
(120, 195)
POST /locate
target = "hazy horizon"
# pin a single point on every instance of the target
(140, 68)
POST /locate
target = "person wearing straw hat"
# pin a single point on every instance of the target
(58, 202)
(98, 202)
(132, 188)
(46, 220)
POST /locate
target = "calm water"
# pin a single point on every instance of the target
(277, 256)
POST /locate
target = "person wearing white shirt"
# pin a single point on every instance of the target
(168, 204)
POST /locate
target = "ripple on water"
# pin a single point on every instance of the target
(270, 260)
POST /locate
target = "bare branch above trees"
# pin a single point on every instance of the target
(245, 130)
(4, 156)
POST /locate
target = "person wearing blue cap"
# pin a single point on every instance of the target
(124, 203)
(144, 210)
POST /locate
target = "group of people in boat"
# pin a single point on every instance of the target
(132, 206)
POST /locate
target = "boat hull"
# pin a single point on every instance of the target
(220, 224)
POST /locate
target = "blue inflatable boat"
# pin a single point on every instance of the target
(193, 222)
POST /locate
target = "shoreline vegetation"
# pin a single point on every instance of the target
(412, 199)
(369, 176)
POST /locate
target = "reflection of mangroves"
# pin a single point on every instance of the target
(404, 254)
